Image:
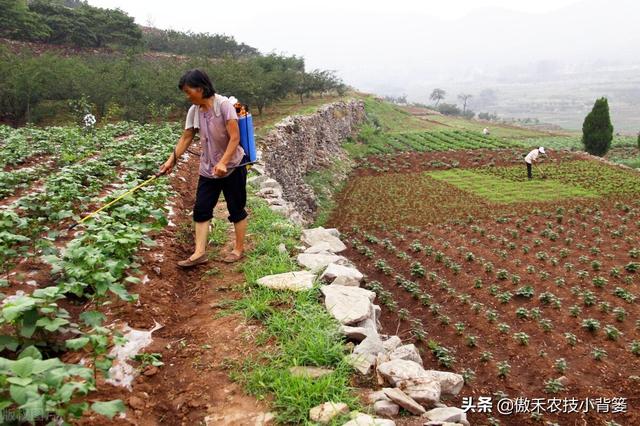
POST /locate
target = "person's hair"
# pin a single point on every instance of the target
(196, 78)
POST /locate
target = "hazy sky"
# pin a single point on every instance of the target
(392, 47)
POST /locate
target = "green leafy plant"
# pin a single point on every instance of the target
(146, 359)
(46, 387)
(553, 386)
(503, 369)
(560, 365)
(522, 338)
(591, 324)
(598, 353)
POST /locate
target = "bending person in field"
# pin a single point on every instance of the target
(531, 158)
(216, 120)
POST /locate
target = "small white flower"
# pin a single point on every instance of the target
(89, 120)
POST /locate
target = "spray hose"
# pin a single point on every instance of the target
(132, 190)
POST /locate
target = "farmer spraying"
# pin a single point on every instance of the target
(531, 158)
(221, 170)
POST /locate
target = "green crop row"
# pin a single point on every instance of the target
(374, 143)
(65, 144)
(499, 190)
(99, 260)
(596, 177)
(71, 190)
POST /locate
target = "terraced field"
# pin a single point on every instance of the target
(528, 288)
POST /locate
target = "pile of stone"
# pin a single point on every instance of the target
(398, 367)
(299, 145)
(271, 191)
(302, 144)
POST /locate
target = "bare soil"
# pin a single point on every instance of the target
(609, 378)
(197, 345)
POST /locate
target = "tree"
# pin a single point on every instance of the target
(400, 99)
(18, 22)
(316, 81)
(437, 95)
(464, 97)
(189, 43)
(468, 114)
(597, 130)
(276, 78)
(112, 26)
(69, 22)
(488, 116)
(449, 109)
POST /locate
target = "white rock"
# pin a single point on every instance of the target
(295, 281)
(316, 262)
(377, 311)
(448, 414)
(314, 236)
(450, 383)
(257, 180)
(381, 359)
(333, 231)
(361, 419)
(12, 298)
(326, 412)
(342, 275)
(386, 408)
(424, 390)
(348, 305)
(404, 400)
(363, 363)
(276, 202)
(282, 248)
(264, 419)
(400, 369)
(408, 352)
(368, 323)
(375, 396)
(297, 218)
(322, 247)
(370, 345)
(270, 183)
(270, 193)
(283, 210)
(240, 418)
(392, 343)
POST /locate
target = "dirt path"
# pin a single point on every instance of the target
(195, 344)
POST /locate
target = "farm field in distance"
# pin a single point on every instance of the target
(527, 288)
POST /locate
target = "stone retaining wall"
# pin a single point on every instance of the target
(301, 144)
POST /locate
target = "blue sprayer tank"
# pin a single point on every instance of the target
(247, 139)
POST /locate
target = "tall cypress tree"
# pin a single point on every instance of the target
(597, 131)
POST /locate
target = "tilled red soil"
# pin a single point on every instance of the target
(410, 162)
(587, 378)
(197, 345)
